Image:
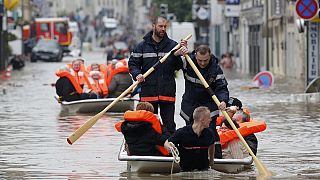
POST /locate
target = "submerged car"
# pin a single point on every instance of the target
(47, 50)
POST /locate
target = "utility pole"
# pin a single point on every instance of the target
(2, 63)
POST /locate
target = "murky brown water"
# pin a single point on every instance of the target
(33, 132)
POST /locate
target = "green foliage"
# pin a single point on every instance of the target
(11, 37)
(181, 8)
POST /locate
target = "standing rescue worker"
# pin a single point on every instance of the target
(197, 95)
(159, 88)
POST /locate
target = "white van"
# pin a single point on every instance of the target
(178, 31)
(109, 23)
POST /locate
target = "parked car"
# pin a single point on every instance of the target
(47, 50)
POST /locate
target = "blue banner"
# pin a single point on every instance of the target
(232, 2)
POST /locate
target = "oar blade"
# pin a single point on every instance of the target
(84, 128)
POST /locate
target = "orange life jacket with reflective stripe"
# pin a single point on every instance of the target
(144, 116)
(102, 69)
(98, 86)
(75, 84)
(81, 76)
(245, 129)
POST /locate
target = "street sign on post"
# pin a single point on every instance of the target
(313, 46)
(307, 9)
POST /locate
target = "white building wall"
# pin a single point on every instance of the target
(216, 26)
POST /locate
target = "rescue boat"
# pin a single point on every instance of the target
(96, 105)
(163, 164)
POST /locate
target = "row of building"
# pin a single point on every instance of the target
(262, 34)
(266, 35)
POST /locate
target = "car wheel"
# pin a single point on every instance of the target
(60, 58)
(33, 60)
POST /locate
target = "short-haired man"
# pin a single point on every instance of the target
(197, 95)
(193, 141)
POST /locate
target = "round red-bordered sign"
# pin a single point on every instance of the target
(307, 9)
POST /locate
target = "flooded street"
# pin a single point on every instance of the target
(33, 131)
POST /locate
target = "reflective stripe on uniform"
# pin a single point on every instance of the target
(162, 54)
(192, 79)
(167, 98)
(148, 55)
(214, 113)
(157, 98)
(220, 76)
(136, 55)
(196, 147)
(184, 62)
(217, 142)
(184, 115)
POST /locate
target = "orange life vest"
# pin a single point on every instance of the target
(98, 86)
(245, 129)
(144, 116)
(75, 84)
(102, 69)
(81, 76)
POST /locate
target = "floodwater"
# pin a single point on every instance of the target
(33, 132)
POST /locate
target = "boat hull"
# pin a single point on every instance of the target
(162, 164)
(97, 105)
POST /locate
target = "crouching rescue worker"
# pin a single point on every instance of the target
(193, 141)
(144, 134)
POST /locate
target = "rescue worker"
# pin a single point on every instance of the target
(121, 80)
(197, 95)
(159, 88)
(193, 141)
(143, 131)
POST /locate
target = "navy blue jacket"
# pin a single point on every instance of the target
(160, 83)
(196, 94)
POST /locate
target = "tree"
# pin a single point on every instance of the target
(181, 8)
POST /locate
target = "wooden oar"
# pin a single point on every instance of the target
(88, 124)
(261, 168)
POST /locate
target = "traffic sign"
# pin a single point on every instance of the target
(307, 9)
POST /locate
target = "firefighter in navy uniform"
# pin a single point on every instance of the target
(159, 88)
(196, 95)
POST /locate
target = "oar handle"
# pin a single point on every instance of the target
(260, 166)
